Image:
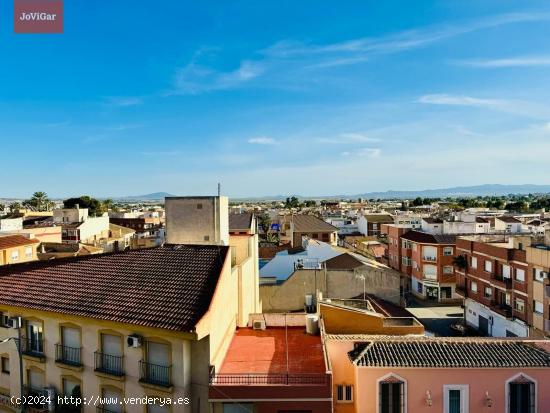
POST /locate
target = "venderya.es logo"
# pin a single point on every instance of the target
(38, 16)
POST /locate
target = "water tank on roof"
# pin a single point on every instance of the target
(312, 324)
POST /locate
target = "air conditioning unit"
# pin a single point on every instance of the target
(258, 325)
(134, 341)
(15, 322)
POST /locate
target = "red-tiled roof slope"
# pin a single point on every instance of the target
(12, 241)
(169, 287)
(311, 223)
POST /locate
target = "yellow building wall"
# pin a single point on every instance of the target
(6, 254)
(92, 382)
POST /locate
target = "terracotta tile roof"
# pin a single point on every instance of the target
(425, 238)
(169, 287)
(11, 241)
(240, 222)
(343, 262)
(449, 353)
(310, 223)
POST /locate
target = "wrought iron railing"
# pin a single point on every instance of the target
(32, 347)
(67, 355)
(109, 364)
(269, 379)
(155, 374)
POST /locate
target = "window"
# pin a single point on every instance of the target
(405, 261)
(71, 387)
(419, 287)
(414, 247)
(15, 255)
(448, 251)
(430, 272)
(473, 287)
(506, 271)
(520, 275)
(520, 305)
(157, 366)
(391, 396)
(538, 274)
(344, 393)
(474, 262)
(35, 337)
(538, 307)
(508, 299)
(488, 292)
(488, 266)
(28, 252)
(35, 378)
(5, 365)
(69, 351)
(521, 396)
(455, 398)
(199, 206)
(448, 269)
(112, 399)
(109, 360)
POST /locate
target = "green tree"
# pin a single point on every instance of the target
(264, 221)
(292, 202)
(39, 202)
(15, 206)
(95, 207)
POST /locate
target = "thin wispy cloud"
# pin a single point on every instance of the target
(123, 127)
(262, 140)
(363, 152)
(195, 78)
(123, 101)
(358, 50)
(525, 61)
(517, 107)
(349, 138)
(285, 60)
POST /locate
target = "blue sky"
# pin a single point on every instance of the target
(308, 97)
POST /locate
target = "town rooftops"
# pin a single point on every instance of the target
(449, 353)
(379, 218)
(13, 241)
(430, 220)
(310, 223)
(169, 287)
(265, 352)
(344, 261)
(240, 222)
(425, 238)
(508, 219)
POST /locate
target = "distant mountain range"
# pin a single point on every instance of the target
(453, 192)
(155, 196)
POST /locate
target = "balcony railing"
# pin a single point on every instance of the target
(269, 379)
(155, 374)
(506, 281)
(36, 396)
(32, 347)
(67, 355)
(108, 364)
(430, 259)
(502, 309)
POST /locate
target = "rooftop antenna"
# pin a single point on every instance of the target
(219, 189)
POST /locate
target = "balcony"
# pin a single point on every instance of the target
(461, 290)
(154, 374)
(68, 355)
(502, 309)
(108, 364)
(32, 347)
(501, 281)
(37, 396)
(429, 258)
(252, 379)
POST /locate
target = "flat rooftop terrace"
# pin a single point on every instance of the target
(265, 352)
